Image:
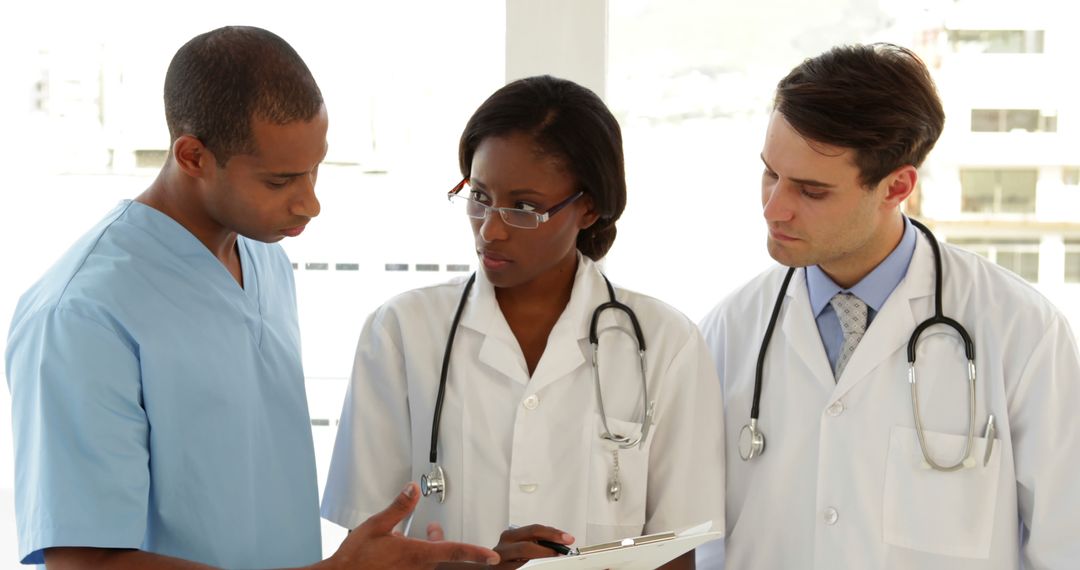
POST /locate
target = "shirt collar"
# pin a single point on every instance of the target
(873, 289)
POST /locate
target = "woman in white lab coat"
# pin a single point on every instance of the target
(520, 439)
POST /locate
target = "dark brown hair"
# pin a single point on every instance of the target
(219, 81)
(568, 122)
(878, 100)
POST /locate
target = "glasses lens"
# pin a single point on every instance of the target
(478, 210)
(520, 218)
(473, 209)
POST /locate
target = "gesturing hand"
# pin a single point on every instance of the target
(373, 544)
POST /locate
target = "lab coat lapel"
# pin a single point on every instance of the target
(569, 337)
(893, 325)
(499, 348)
(800, 331)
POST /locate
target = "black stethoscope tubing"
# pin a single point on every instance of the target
(435, 482)
(437, 418)
(757, 439)
(939, 317)
(614, 304)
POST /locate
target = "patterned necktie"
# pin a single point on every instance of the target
(851, 311)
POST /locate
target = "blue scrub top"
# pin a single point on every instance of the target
(158, 405)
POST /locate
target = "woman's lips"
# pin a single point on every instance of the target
(493, 260)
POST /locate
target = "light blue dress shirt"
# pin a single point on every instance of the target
(158, 405)
(873, 289)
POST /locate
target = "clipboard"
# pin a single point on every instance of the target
(639, 553)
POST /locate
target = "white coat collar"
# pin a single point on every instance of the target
(800, 331)
(567, 342)
(893, 325)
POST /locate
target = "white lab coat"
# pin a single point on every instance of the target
(842, 483)
(520, 450)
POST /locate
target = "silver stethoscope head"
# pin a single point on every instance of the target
(434, 482)
(751, 441)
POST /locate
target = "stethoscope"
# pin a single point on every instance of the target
(751, 438)
(434, 482)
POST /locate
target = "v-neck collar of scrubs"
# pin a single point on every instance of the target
(172, 235)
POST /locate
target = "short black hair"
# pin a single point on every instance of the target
(568, 122)
(220, 80)
(877, 99)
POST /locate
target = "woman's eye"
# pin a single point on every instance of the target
(768, 174)
(525, 206)
(478, 196)
(276, 185)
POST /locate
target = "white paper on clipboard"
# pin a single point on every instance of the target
(638, 557)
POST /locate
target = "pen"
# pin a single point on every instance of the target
(989, 435)
(560, 548)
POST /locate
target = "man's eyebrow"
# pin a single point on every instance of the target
(803, 181)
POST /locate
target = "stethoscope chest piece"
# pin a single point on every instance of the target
(614, 490)
(751, 441)
(434, 482)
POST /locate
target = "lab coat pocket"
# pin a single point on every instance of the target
(950, 514)
(607, 518)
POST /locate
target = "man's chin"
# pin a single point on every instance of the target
(265, 238)
(785, 256)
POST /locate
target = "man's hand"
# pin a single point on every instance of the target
(373, 545)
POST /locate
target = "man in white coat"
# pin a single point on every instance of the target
(846, 476)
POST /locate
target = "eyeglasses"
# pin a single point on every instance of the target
(527, 219)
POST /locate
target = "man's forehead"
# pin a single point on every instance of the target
(276, 146)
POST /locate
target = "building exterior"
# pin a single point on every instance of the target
(1004, 180)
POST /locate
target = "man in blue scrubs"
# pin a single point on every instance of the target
(158, 398)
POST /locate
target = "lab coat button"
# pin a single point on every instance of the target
(528, 487)
(835, 409)
(531, 402)
(831, 516)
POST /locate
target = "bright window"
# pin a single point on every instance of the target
(1072, 260)
(998, 191)
(997, 41)
(1021, 256)
(1008, 120)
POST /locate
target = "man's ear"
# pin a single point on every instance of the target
(899, 184)
(192, 157)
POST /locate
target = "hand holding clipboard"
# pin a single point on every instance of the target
(639, 553)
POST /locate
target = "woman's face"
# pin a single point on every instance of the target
(510, 171)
